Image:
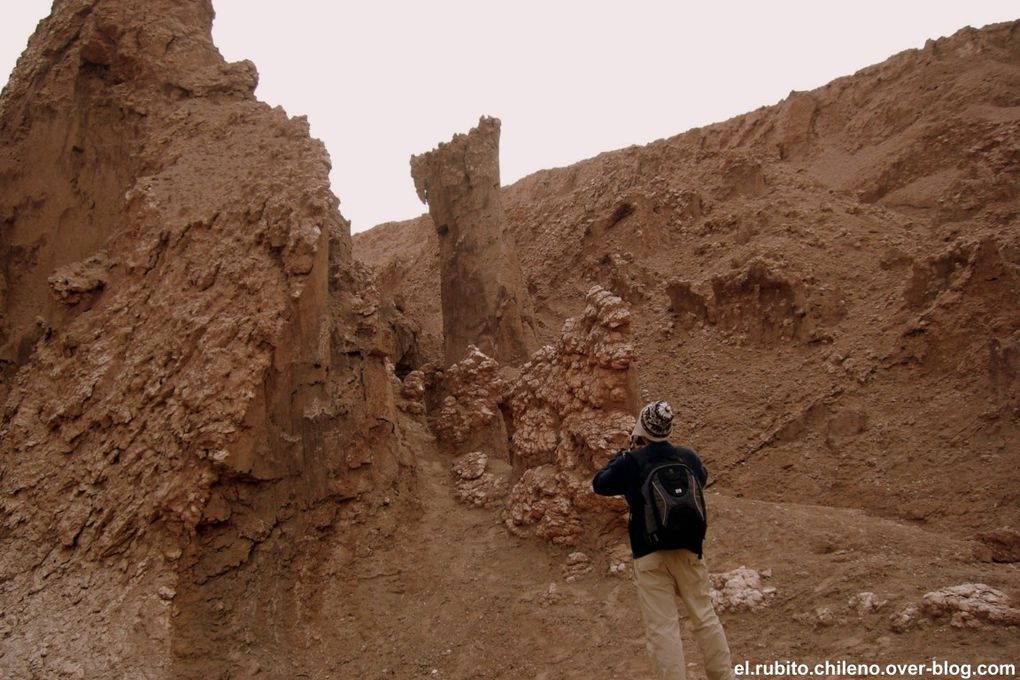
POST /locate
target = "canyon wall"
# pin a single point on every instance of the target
(192, 368)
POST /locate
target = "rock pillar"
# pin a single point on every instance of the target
(485, 301)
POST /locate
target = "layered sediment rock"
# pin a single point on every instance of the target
(192, 368)
(484, 298)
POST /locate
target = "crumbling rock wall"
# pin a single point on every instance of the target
(484, 298)
(193, 375)
(571, 409)
(759, 303)
(568, 411)
(469, 416)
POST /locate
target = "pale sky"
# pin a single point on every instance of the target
(380, 81)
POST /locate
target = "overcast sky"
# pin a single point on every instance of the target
(380, 81)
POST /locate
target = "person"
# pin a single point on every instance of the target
(663, 571)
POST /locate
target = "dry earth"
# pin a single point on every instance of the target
(444, 591)
(209, 468)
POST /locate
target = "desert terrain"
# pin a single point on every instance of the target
(234, 443)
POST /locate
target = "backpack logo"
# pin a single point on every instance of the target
(674, 505)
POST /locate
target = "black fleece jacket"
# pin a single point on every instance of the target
(621, 476)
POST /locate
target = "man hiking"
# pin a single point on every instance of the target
(662, 484)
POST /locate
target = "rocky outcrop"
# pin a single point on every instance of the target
(568, 411)
(571, 409)
(757, 305)
(476, 484)
(998, 545)
(967, 605)
(469, 416)
(193, 370)
(970, 604)
(412, 389)
(484, 298)
(741, 589)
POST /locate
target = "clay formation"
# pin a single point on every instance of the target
(192, 366)
(572, 408)
(485, 301)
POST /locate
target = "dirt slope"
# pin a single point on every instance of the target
(444, 591)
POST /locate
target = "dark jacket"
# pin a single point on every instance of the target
(621, 476)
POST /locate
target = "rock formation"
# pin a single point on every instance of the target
(192, 369)
(476, 484)
(757, 305)
(572, 408)
(484, 298)
(970, 604)
(741, 588)
(829, 284)
(205, 470)
(966, 605)
(469, 415)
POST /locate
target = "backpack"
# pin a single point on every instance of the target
(675, 513)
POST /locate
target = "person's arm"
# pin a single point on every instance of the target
(699, 468)
(702, 473)
(612, 480)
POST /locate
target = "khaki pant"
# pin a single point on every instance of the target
(661, 576)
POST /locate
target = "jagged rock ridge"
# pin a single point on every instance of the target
(559, 420)
(192, 365)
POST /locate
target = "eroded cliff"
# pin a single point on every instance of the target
(193, 371)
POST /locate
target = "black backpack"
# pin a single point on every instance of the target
(675, 513)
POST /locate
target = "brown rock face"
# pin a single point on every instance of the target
(484, 298)
(469, 416)
(572, 407)
(192, 371)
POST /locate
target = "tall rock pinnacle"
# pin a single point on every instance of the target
(485, 302)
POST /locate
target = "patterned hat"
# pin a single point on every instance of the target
(655, 422)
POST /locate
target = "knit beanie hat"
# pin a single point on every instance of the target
(655, 422)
